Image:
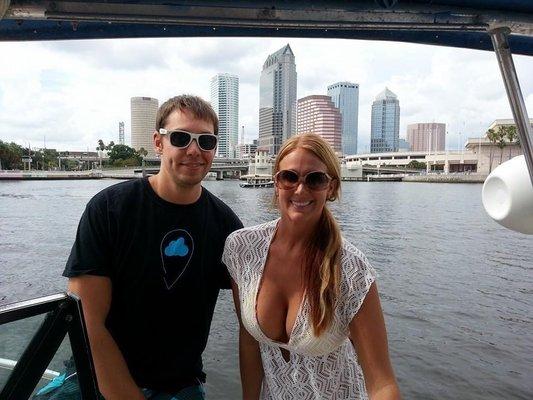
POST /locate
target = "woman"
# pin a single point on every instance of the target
(311, 321)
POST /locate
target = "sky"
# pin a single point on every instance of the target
(68, 94)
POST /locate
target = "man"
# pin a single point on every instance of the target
(147, 266)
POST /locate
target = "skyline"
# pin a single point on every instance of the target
(75, 93)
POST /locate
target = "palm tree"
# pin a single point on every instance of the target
(511, 136)
(110, 146)
(501, 134)
(493, 137)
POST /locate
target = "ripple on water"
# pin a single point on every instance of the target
(455, 286)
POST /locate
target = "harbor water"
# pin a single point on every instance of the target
(456, 288)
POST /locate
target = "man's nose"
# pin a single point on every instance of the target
(193, 148)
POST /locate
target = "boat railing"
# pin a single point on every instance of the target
(63, 316)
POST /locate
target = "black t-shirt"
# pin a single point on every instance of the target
(164, 261)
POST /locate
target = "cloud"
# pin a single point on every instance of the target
(76, 92)
(177, 248)
(126, 55)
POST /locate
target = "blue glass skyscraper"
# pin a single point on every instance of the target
(385, 123)
(277, 100)
(345, 96)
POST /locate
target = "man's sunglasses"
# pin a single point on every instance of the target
(182, 139)
(316, 180)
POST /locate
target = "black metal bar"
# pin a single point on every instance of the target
(430, 22)
(64, 314)
(30, 308)
(81, 351)
(516, 100)
(11, 30)
(37, 355)
(281, 11)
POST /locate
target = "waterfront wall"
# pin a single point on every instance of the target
(443, 178)
(49, 175)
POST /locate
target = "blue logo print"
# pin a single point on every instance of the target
(177, 248)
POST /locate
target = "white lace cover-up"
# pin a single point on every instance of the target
(319, 368)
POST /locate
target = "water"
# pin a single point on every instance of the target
(456, 288)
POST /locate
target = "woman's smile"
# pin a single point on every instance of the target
(301, 205)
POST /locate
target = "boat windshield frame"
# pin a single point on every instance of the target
(63, 315)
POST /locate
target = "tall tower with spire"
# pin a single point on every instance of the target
(277, 100)
(385, 123)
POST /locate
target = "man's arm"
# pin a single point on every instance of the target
(249, 356)
(114, 379)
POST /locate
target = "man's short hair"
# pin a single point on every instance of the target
(197, 106)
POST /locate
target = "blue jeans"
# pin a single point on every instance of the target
(195, 392)
(65, 387)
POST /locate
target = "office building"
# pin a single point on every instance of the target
(225, 102)
(345, 96)
(246, 150)
(277, 100)
(385, 123)
(143, 114)
(317, 114)
(403, 145)
(427, 136)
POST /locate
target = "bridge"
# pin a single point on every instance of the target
(240, 166)
(219, 166)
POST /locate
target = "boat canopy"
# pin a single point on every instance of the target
(502, 26)
(437, 22)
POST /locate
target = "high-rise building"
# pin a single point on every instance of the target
(427, 136)
(385, 123)
(277, 100)
(246, 150)
(345, 96)
(317, 114)
(225, 102)
(143, 114)
(403, 145)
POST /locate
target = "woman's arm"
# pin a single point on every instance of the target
(249, 356)
(369, 336)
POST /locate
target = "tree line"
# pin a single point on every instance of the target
(502, 136)
(11, 157)
(120, 155)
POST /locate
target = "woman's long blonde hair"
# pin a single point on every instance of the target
(322, 258)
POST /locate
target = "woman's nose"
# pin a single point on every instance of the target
(300, 187)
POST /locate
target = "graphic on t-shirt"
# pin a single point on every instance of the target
(177, 248)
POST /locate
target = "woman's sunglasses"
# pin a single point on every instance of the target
(182, 139)
(316, 180)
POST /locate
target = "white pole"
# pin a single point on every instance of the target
(479, 155)
(427, 157)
